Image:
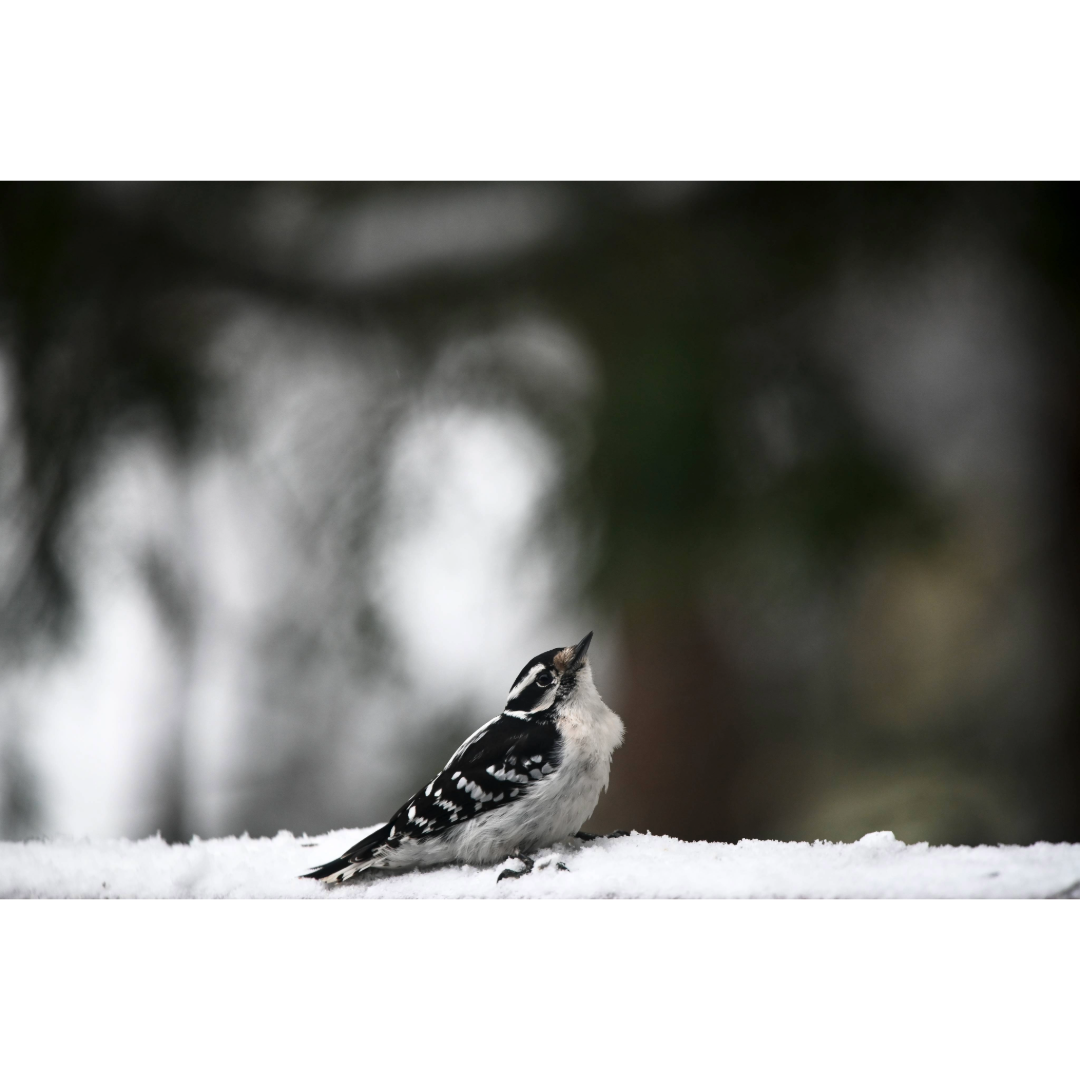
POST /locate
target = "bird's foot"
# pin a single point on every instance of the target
(587, 836)
(517, 873)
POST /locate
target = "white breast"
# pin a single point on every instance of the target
(591, 731)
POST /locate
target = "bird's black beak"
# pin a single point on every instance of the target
(581, 649)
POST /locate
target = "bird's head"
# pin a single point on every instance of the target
(549, 679)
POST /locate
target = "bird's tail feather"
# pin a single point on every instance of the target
(356, 860)
(330, 871)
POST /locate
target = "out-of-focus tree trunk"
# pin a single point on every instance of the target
(1053, 247)
(175, 604)
(1070, 556)
(676, 772)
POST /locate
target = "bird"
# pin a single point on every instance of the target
(528, 778)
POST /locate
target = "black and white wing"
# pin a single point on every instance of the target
(496, 765)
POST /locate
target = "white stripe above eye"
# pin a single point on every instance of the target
(524, 681)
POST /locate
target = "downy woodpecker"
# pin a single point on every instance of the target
(526, 779)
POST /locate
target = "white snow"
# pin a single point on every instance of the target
(636, 866)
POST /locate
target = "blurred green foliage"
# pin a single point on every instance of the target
(108, 296)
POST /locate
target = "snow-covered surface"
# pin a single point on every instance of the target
(878, 865)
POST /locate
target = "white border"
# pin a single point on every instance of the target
(498, 90)
(533, 988)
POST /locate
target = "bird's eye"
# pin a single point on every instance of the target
(543, 679)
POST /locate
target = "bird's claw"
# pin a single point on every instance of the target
(587, 836)
(517, 873)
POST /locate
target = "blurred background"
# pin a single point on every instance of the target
(296, 477)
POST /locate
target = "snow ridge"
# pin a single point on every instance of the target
(635, 866)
